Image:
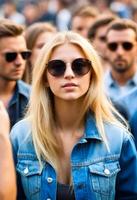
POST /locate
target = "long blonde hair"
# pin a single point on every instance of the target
(41, 111)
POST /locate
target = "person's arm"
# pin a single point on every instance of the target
(126, 184)
(133, 125)
(7, 171)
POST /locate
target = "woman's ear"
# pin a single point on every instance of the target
(45, 81)
(46, 84)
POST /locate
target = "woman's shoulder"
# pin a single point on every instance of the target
(22, 142)
(21, 130)
(113, 131)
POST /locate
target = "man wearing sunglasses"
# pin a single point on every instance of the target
(122, 51)
(13, 55)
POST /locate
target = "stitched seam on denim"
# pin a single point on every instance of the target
(27, 156)
(87, 163)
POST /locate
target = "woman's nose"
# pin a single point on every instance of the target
(69, 72)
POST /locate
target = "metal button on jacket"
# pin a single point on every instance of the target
(106, 171)
(49, 180)
(26, 170)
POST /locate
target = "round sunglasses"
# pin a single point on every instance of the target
(80, 67)
(127, 46)
(11, 56)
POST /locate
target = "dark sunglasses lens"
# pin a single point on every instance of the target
(26, 55)
(81, 66)
(112, 46)
(10, 56)
(56, 67)
(127, 45)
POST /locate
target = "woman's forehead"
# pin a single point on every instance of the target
(67, 50)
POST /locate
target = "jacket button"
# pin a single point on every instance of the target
(26, 170)
(106, 171)
(49, 180)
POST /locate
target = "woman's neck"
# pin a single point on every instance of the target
(67, 114)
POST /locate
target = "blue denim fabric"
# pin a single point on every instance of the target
(129, 102)
(18, 102)
(133, 125)
(97, 174)
(114, 91)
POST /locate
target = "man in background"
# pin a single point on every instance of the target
(82, 19)
(121, 39)
(14, 93)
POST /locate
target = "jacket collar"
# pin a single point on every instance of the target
(23, 88)
(91, 131)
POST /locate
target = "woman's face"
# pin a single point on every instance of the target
(69, 86)
(41, 40)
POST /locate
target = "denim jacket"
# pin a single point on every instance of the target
(129, 102)
(18, 103)
(97, 174)
(114, 90)
(133, 125)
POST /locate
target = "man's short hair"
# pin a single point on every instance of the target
(85, 11)
(10, 29)
(99, 22)
(123, 24)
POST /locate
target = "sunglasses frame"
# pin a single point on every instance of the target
(52, 69)
(113, 46)
(12, 55)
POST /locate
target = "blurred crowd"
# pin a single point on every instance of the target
(59, 12)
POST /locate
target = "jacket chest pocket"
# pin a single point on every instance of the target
(30, 174)
(103, 177)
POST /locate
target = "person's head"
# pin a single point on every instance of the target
(13, 51)
(9, 8)
(62, 66)
(43, 5)
(31, 12)
(122, 45)
(97, 33)
(134, 14)
(36, 36)
(82, 19)
(67, 53)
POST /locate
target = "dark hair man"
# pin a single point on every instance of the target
(121, 38)
(14, 93)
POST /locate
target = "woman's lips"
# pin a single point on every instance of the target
(69, 85)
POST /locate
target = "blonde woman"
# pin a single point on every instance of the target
(71, 146)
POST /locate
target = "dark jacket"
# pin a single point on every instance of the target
(17, 105)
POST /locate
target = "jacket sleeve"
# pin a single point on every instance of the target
(133, 125)
(126, 183)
